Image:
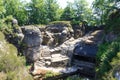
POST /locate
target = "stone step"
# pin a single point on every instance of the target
(40, 63)
(47, 58)
(59, 59)
(55, 55)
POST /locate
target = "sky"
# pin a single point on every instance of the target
(63, 3)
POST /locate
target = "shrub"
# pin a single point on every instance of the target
(11, 66)
(63, 23)
(113, 22)
(105, 55)
(50, 74)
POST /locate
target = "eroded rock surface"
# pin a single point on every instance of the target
(32, 42)
(53, 47)
(61, 56)
(57, 33)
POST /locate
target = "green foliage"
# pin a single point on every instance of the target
(16, 9)
(11, 66)
(68, 13)
(115, 68)
(51, 9)
(113, 21)
(77, 12)
(102, 49)
(43, 11)
(11, 32)
(7, 28)
(37, 13)
(2, 9)
(2, 37)
(102, 9)
(66, 23)
(6, 25)
(80, 9)
(105, 55)
(62, 23)
(50, 74)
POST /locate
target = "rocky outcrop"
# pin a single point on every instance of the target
(58, 32)
(52, 58)
(32, 42)
(53, 46)
(64, 51)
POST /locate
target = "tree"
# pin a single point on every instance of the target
(2, 10)
(37, 12)
(16, 9)
(103, 7)
(78, 12)
(51, 9)
(68, 13)
(80, 8)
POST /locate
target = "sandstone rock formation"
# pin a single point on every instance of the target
(59, 33)
(47, 38)
(61, 56)
(32, 42)
(53, 46)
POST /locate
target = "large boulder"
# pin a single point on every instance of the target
(32, 42)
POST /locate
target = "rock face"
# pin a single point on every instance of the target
(54, 46)
(98, 36)
(61, 55)
(58, 33)
(32, 42)
(79, 31)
